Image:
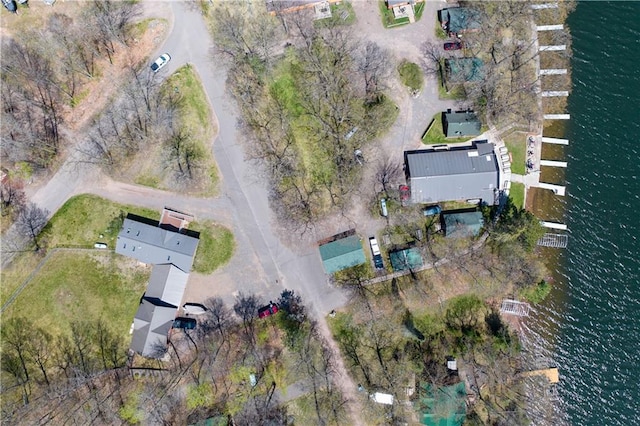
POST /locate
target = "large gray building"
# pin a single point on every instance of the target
(171, 251)
(454, 174)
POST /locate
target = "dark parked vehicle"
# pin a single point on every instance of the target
(433, 210)
(270, 309)
(456, 45)
(184, 323)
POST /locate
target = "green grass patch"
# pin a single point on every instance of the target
(516, 143)
(215, 248)
(411, 75)
(516, 193)
(14, 275)
(149, 180)
(82, 286)
(418, 10)
(82, 220)
(341, 14)
(455, 93)
(440, 33)
(388, 19)
(196, 118)
(435, 134)
(537, 292)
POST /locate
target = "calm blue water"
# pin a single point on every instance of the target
(595, 311)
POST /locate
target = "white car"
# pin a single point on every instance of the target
(160, 62)
(194, 309)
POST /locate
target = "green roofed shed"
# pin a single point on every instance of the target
(462, 224)
(457, 124)
(405, 259)
(444, 406)
(342, 254)
(464, 69)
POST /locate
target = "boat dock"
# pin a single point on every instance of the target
(554, 240)
(554, 225)
(555, 141)
(550, 27)
(557, 189)
(553, 48)
(550, 373)
(553, 71)
(553, 163)
(557, 116)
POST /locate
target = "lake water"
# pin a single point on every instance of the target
(591, 324)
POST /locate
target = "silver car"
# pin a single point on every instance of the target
(160, 62)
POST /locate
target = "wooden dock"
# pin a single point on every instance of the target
(554, 225)
(557, 189)
(549, 27)
(553, 48)
(556, 141)
(550, 373)
(553, 163)
(515, 307)
(553, 71)
(557, 116)
(554, 240)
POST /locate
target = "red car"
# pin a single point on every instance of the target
(457, 45)
(405, 194)
(270, 309)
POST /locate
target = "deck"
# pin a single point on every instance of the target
(554, 240)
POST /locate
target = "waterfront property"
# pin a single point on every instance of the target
(463, 173)
(457, 224)
(341, 252)
(457, 20)
(170, 248)
(402, 260)
(460, 70)
(461, 123)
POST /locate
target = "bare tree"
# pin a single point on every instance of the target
(12, 198)
(374, 63)
(387, 172)
(219, 314)
(246, 307)
(30, 222)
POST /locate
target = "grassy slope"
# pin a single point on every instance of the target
(79, 223)
(82, 286)
(516, 193)
(516, 142)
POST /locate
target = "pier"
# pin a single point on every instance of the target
(550, 27)
(553, 71)
(544, 6)
(553, 48)
(550, 373)
(554, 93)
(554, 240)
(515, 307)
(553, 163)
(557, 189)
(556, 141)
(554, 225)
(557, 116)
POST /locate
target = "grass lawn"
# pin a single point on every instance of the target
(337, 11)
(388, 19)
(84, 218)
(411, 75)
(435, 134)
(79, 285)
(456, 93)
(516, 143)
(215, 248)
(516, 193)
(196, 118)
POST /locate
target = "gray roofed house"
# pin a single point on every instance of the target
(167, 283)
(171, 251)
(151, 325)
(457, 124)
(457, 174)
(155, 245)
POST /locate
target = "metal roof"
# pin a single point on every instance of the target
(342, 254)
(464, 69)
(453, 175)
(167, 283)
(155, 245)
(462, 224)
(151, 325)
(461, 124)
(405, 259)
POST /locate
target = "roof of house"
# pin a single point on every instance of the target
(143, 241)
(151, 325)
(460, 19)
(456, 174)
(457, 124)
(462, 224)
(342, 254)
(464, 69)
(405, 259)
(167, 283)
